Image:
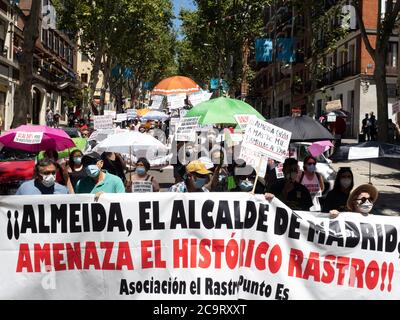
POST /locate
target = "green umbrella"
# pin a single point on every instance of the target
(222, 111)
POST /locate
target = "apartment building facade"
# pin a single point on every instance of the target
(55, 62)
(348, 76)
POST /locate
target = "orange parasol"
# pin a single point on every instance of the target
(176, 85)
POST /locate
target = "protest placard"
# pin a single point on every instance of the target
(103, 122)
(111, 113)
(191, 246)
(186, 130)
(122, 117)
(333, 105)
(28, 137)
(176, 101)
(243, 120)
(262, 141)
(198, 98)
(356, 153)
(131, 114)
(142, 186)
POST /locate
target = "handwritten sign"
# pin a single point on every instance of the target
(243, 120)
(142, 186)
(156, 102)
(111, 113)
(176, 101)
(103, 122)
(187, 129)
(28, 137)
(255, 159)
(331, 117)
(122, 117)
(196, 99)
(267, 139)
(131, 114)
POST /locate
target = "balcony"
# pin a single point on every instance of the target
(346, 70)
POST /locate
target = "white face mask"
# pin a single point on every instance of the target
(366, 207)
(49, 180)
(345, 182)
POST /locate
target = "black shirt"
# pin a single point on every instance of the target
(335, 200)
(297, 199)
(114, 167)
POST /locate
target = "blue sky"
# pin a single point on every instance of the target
(178, 4)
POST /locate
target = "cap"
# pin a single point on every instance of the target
(197, 167)
(91, 158)
(368, 188)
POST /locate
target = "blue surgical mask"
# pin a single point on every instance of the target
(246, 185)
(200, 182)
(141, 171)
(311, 168)
(77, 160)
(93, 171)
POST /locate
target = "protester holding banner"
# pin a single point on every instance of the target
(361, 200)
(98, 181)
(336, 199)
(196, 177)
(75, 169)
(44, 181)
(312, 180)
(289, 191)
(141, 180)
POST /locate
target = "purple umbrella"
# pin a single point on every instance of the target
(34, 138)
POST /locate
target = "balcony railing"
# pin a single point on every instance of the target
(346, 70)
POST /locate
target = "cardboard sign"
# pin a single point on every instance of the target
(331, 117)
(103, 122)
(196, 99)
(28, 137)
(131, 114)
(356, 153)
(187, 129)
(333, 105)
(142, 186)
(111, 113)
(243, 120)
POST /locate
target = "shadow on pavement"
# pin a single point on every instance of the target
(388, 204)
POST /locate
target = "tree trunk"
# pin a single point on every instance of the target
(23, 93)
(381, 96)
(94, 75)
(106, 81)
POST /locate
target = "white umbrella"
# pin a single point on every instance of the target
(155, 115)
(102, 134)
(131, 142)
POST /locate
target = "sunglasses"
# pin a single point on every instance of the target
(46, 173)
(364, 200)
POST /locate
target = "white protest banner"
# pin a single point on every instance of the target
(267, 140)
(142, 186)
(333, 105)
(243, 120)
(156, 102)
(122, 117)
(331, 117)
(396, 107)
(176, 101)
(111, 113)
(28, 137)
(356, 153)
(131, 114)
(191, 246)
(186, 130)
(103, 122)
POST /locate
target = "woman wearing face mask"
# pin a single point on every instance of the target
(75, 169)
(361, 200)
(336, 199)
(312, 181)
(141, 180)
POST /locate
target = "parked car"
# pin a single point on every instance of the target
(299, 150)
(16, 167)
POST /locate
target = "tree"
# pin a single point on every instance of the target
(23, 93)
(378, 52)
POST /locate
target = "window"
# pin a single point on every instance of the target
(392, 55)
(84, 77)
(85, 57)
(45, 37)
